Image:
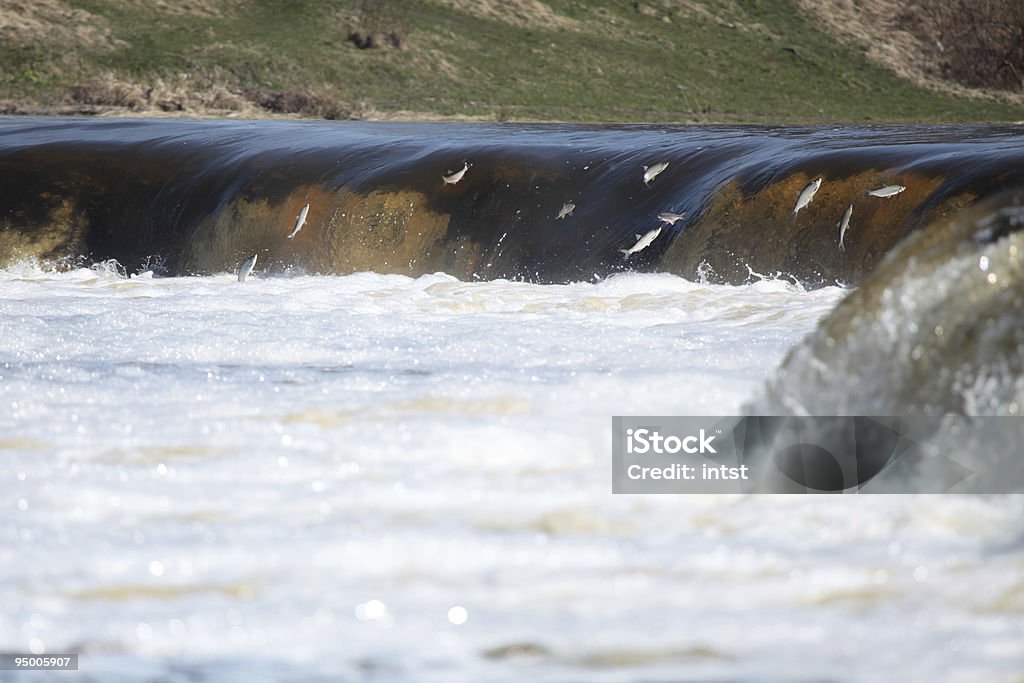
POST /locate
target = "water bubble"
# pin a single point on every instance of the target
(370, 610)
(36, 646)
(921, 574)
(983, 263)
(177, 627)
(156, 568)
(144, 631)
(458, 615)
(22, 504)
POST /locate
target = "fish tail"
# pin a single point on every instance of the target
(625, 253)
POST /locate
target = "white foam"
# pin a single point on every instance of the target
(292, 449)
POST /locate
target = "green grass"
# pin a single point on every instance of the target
(745, 61)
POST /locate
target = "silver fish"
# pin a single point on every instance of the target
(651, 172)
(806, 195)
(843, 225)
(670, 218)
(246, 268)
(641, 243)
(300, 220)
(566, 210)
(887, 191)
(455, 177)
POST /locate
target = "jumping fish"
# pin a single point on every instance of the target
(887, 191)
(670, 218)
(843, 225)
(566, 210)
(651, 172)
(455, 177)
(641, 243)
(806, 195)
(246, 269)
(300, 220)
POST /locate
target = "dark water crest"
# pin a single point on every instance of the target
(202, 196)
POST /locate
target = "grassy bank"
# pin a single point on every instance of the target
(571, 60)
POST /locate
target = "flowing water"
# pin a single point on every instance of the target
(405, 475)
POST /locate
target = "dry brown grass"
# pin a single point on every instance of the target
(524, 13)
(188, 8)
(186, 96)
(177, 95)
(26, 22)
(901, 38)
(979, 43)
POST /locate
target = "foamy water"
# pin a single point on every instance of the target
(381, 478)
